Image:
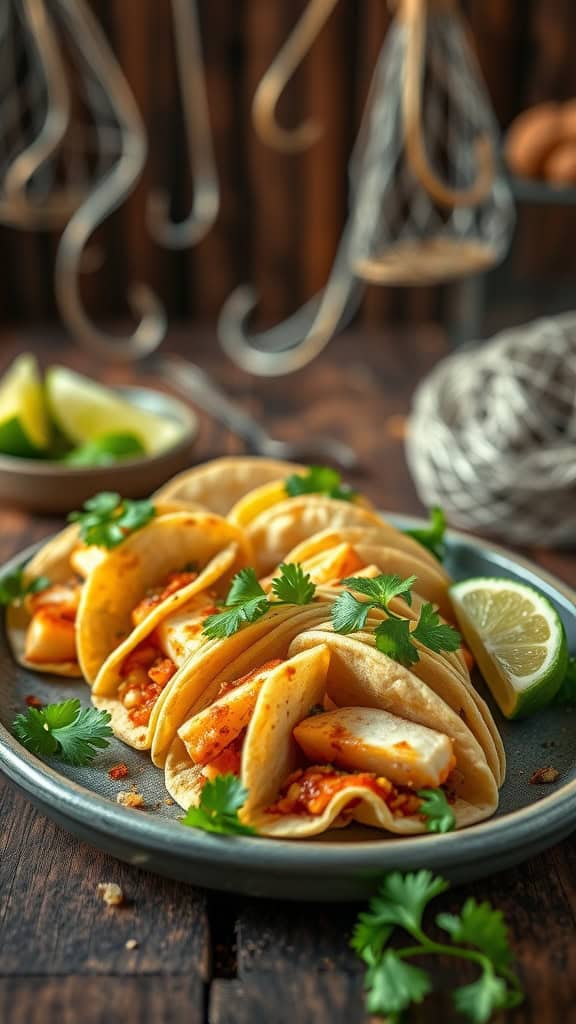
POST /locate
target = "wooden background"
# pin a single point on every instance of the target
(281, 215)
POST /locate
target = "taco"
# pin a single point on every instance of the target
(155, 571)
(219, 484)
(306, 773)
(382, 533)
(41, 628)
(278, 529)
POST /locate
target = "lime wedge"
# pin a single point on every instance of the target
(23, 421)
(517, 638)
(84, 410)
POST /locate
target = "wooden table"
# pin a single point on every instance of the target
(206, 957)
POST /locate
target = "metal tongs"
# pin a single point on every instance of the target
(197, 385)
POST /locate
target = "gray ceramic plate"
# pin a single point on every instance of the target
(345, 864)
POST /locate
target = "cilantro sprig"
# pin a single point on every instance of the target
(395, 636)
(436, 810)
(432, 536)
(478, 934)
(14, 588)
(107, 518)
(247, 601)
(218, 809)
(319, 480)
(64, 730)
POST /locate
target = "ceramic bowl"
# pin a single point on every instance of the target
(34, 485)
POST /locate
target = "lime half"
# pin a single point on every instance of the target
(23, 421)
(84, 410)
(517, 638)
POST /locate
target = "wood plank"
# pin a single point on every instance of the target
(283, 998)
(52, 920)
(68, 1000)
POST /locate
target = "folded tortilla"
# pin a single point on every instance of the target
(286, 691)
(277, 530)
(52, 561)
(165, 545)
(219, 484)
(196, 684)
(274, 759)
(382, 533)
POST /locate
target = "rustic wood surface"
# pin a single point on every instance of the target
(226, 960)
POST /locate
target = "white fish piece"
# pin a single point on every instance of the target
(373, 740)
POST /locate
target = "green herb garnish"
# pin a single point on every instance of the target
(247, 601)
(65, 730)
(106, 450)
(395, 636)
(107, 519)
(220, 802)
(432, 536)
(437, 811)
(477, 934)
(567, 693)
(14, 588)
(319, 480)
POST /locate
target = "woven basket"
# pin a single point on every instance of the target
(492, 435)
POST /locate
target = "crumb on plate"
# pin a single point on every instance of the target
(118, 771)
(544, 775)
(129, 798)
(110, 893)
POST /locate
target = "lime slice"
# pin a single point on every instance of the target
(517, 638)
(84, 410)
(23, 421)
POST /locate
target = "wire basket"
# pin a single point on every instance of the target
(492, 435)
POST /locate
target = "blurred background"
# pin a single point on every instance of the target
(281, 215)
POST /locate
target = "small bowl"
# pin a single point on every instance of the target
(35, 485)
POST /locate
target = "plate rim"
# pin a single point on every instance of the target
(47, 786)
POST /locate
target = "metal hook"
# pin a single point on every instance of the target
(414, 14)
(16, 207)
(206, 193)
(294, 343)
(106, 197)
(277, 76)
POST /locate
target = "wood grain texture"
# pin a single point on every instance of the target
(228, 960)
(281, 215)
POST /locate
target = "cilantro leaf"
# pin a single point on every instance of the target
(437, 811)
(401, 901)
(80, 739)
(13, 587)
(479, 1000)
(434, 634)
(567, 693)
(319, 480)
(247, 601)
(107, 518)
(64, 730)
(218, 809)
(30, 729)
(479, 925)
(381, 589)
(394, 985)
(432, 536)
(244, 587)
(231, 620)
(393, 638)
(293, 585)
(349, 613)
